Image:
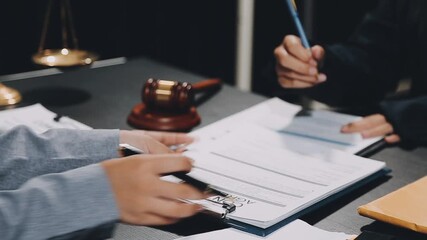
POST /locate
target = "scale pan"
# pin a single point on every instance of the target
(64, 57)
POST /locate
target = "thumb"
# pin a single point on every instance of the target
(318, 53)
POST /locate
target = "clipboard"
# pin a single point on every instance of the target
(373, 148)
(243, 159)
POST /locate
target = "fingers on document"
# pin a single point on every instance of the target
(372, 126)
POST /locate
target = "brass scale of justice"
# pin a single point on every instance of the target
(69, 55)
(166, 105)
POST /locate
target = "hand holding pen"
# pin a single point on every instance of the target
(142, 197)
(129, 150)
(138, 193)
(158, 143)
(296, 62)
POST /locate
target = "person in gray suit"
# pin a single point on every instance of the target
(62, 183)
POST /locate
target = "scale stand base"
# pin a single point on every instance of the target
(9, 96)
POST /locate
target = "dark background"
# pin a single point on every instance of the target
(195, 35)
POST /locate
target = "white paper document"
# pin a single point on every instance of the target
(296, 230)
(271, 176)
(36, 117)
(318, 126)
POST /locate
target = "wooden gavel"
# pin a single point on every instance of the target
(169, 105)
(172, 96)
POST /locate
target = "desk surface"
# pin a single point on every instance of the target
(103, 98)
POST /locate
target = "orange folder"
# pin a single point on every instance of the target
(405, 207)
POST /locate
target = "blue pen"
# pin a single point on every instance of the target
(293, 10)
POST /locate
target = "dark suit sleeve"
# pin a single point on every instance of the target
(365, 68)
(409, 119)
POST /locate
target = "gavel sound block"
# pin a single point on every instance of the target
(169, 105)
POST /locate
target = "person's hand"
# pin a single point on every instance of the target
(142, 197)
(154, 142)
(372, 126)
(296, 66)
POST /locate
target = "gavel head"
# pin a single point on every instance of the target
(167, 96)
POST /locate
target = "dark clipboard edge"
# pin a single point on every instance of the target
(372, 149)
(266, 231)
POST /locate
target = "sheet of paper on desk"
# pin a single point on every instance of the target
(323, 125)
(270, 176)
(296, 230)
(36, 117)
(319, 127)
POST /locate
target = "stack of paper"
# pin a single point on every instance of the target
(272, 176)
(269, 177)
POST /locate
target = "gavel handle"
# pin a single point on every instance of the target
(207, 84)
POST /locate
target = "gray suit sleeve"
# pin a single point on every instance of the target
(57, 204)
(25, 154)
